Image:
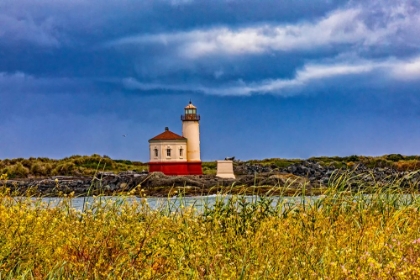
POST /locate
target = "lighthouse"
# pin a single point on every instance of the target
(174, 154)
(191, 131)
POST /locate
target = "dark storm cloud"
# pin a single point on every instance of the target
(16, 30)
(214, 47)
(49, 22)
(355, 39)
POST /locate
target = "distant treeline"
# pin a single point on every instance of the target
(88, 165)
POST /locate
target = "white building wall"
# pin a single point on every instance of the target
(191, 131)
(162, 146)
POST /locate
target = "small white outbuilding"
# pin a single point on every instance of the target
(225, 169)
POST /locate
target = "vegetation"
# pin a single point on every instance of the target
(71, 166)
(396, 161)
(209, 168)
(87, 165)
(340, 235)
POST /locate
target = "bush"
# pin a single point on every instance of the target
(394, 157)
(39, 169)
(352, 158)
(43, 159)
(27, 163)
(407, 165)
(350, 164)
(17, 171)
(281, 163)
(68, 168)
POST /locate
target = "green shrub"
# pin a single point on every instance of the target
(17, 171)
(27, 163)
(352, 158)
(394, 157)
(43, 159)
(41, 169)
(68, 168)
(282, 163)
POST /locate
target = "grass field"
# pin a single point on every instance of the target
(341, 235)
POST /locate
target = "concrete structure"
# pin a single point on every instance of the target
(173, 154)
(225, 169)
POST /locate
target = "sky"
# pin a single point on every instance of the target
(287, 79)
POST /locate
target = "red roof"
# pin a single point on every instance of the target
(168, 135)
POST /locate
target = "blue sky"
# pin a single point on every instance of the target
(290, 79)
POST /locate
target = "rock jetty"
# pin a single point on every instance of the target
(250, 178)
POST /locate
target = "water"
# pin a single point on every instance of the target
(198, 202)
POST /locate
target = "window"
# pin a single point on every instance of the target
(181, 151)
(168, 152)
(156, 152)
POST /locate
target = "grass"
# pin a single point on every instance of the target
(340, 235)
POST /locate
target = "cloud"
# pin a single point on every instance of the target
(218, 74)
(373, 42)
(349, 26)
(27, 30)
(180, 2)
(242, 55)
(20, 83)
(303, 78)
(409, 70)
(58, 23)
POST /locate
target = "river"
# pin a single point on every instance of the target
(199, 202)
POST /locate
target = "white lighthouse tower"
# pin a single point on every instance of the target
(191, 131)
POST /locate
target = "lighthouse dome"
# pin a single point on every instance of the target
(190, 106)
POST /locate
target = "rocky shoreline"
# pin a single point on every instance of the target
(251, 179)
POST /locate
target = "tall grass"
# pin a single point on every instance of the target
(339, 235)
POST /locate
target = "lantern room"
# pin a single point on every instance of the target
(190, 113)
